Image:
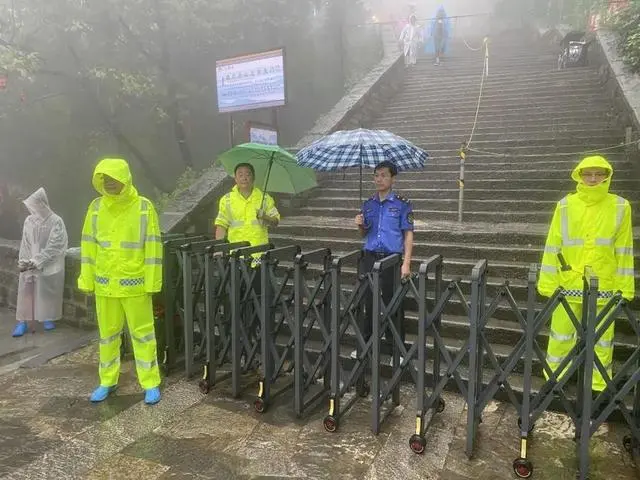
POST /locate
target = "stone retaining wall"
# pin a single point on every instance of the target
(77, 308)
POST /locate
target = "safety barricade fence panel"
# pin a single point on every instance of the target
(277, 324)
(217, 285)
(169, 332)
(347, 320)
(246, 313)
(312, 329)
(446, 369)
(388, 329)
(193, 298)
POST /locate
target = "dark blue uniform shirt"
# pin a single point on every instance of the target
(386, 222)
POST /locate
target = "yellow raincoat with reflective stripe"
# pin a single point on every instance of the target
(238, 216)
(121, 254)
(121, 248)
(591, 227)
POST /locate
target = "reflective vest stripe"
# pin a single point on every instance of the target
(564, 226)
(548, 268)
(552, 250)
(144, 219)
(562, 338)
(87, 261)
(625, 272)
(624, 251)
(115, 361)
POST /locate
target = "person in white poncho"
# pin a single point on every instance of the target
(41, 265)
(411, 37)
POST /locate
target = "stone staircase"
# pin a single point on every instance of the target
(534, 121)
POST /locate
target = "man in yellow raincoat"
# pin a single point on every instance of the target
(121, 263)
(246, 213)
(590, 227)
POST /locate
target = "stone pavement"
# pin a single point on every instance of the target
(48, 430)
(37, 348)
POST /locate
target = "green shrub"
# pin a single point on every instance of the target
(626, 24)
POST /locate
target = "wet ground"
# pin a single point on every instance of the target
(48, 430)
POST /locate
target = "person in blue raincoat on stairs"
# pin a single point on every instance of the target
(437, 35)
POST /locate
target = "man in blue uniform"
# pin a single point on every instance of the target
(386, 223)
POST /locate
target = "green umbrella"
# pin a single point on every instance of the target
(277, 171)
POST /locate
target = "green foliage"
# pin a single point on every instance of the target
(626, 24)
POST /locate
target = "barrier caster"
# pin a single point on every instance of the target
(417, 444)
(440, 406)
(532, 426)
(204, 386)
(627, 443)
(363, 390)
(260, 405)
(522, 468)
(330, 423)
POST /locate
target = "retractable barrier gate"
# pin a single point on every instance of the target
(312, 329)
(246, 323)
(276, 323)
(446, 369)
(576, 366)
(388, 322)
(217, 268)
(194, 318)
(170, 342)
(347, 303)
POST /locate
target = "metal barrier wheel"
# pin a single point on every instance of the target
(204, 386)
(260, 405)
(532, 426)
(441, 406)
(627, 443)
(523, 468)
(330, 423)
(363, 390)
(417, 443)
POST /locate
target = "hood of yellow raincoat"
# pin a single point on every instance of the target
(117, 169)
(598, 192)
(38, 204)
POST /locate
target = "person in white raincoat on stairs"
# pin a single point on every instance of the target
(411, 37)
(41, 264)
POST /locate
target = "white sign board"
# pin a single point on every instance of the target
(265, 136)
(250, 82)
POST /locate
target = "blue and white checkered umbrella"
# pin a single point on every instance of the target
(366, 148)
(361, 148)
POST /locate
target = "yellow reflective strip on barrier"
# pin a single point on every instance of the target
(418, 425)
(523, 448)
(332, 404)
(205, 374)
(260, 389)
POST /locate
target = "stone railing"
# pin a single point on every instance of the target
(77, 308)
(196, 207)
(622, 86)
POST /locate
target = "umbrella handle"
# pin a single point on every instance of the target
(266, 180)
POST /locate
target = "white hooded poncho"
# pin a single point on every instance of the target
(44, 242)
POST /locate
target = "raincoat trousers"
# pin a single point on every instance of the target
(121, 262)
(44, 244)
(591, 227)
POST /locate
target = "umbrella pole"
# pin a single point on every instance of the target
(360, 182)
(266, 180)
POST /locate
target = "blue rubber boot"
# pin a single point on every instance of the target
(49, 325)
(20, 330)
(100, 394)
(152, 396)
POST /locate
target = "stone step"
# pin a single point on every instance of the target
(480, 172)
(431, 75)
(421, 179)
(452, 193)
(544, 84)
(548, 103)
(419, 204)
(511, 116)
(504, 128)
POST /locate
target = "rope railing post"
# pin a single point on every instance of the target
(462, 155)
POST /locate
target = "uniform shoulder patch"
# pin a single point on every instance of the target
(402, 198)
(410, 218)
